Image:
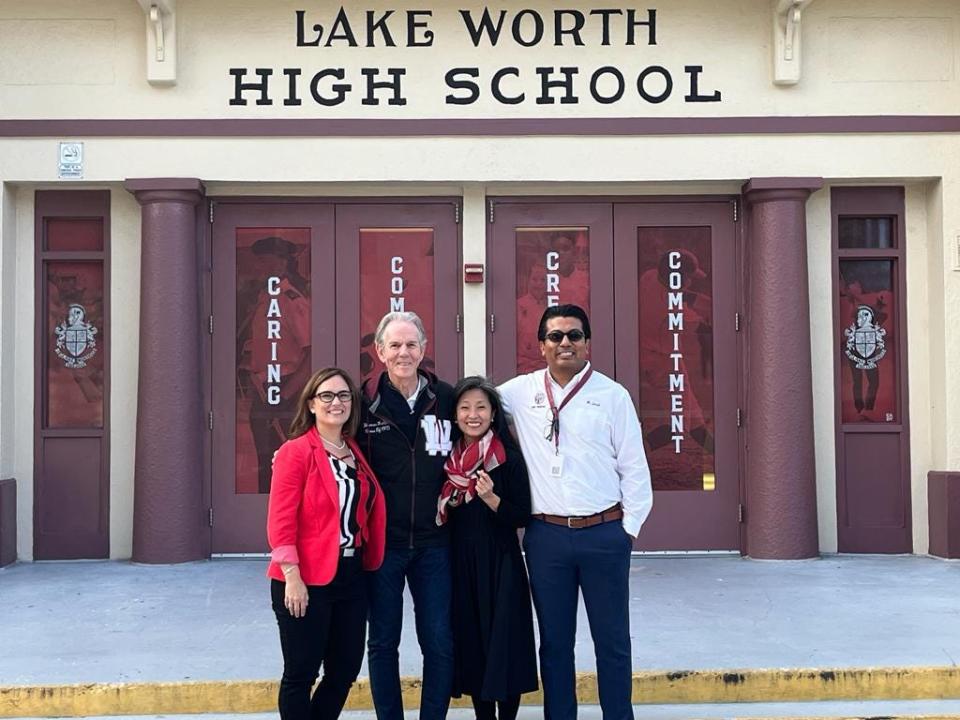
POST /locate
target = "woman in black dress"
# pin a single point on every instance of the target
(485, 499)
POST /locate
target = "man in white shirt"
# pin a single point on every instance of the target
(590, 492)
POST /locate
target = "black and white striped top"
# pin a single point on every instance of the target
(348, 489)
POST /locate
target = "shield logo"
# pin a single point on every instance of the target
(865, 341)
(866, 345)
(76, 338)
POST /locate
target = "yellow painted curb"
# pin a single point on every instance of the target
(649, 687)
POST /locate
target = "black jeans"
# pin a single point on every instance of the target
(332, 633)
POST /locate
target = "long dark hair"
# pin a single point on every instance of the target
(499, 422)
(304, 419)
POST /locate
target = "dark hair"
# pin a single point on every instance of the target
(304, 419)
(568, 310)
(499, 423)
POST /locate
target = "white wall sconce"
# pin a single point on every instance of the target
(787, 17)
(161, 27)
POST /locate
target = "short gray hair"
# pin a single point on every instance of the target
(410, 317)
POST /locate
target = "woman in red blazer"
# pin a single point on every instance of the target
(326, 526)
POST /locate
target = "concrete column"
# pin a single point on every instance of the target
(781, 497)
(168, 472)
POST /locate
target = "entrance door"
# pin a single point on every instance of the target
(545, 254)
(675, 280)
(666, 345)
(274, 307)
(398, 257)
(300, 286)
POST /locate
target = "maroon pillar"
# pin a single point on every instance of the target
(168, 473)
(781, 497)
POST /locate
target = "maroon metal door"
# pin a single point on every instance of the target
(398, 256)
(614, 259)
(72, 412)
(675, 281)
(300, 286)
(547, 253)
(274, 307)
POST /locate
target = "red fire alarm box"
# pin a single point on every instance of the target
(473, 272)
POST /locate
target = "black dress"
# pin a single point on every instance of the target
(494, 649)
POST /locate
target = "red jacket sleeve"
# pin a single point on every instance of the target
(286, 496)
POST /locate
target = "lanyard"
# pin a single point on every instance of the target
(555, 423)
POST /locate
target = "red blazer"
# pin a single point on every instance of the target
(304, 512)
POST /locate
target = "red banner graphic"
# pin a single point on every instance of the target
(396, 275)
(273, 345)
(868, 342)
(75, 333)
(553, 268)
(676, 356)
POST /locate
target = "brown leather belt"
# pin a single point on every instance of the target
(583, 521)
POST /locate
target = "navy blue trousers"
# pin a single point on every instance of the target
(563, 563)
(427, 571)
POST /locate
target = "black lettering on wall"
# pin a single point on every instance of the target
(341, 89)
(546, 84)
(292, 98)
(650, 23)
(394, 83)
(414, 24)
(301, 35)
(595, 81)
(455, 83)
(375, 24)
(239, 87)
(498, 93)
(341, 30)
(605, 14)
(485, 26)
(517, 28)
(667, 79)
(694, 95)
(559, 30)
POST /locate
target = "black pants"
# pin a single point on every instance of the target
(484, 709)
(332, 633)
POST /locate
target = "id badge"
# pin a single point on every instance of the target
(556, 466)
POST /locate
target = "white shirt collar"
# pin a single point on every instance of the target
(573, 381)
(421, 384)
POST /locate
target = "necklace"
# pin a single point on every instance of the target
(341, 446)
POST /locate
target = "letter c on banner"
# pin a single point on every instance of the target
(273, 285)
(396, 265)
(553, 260)
(673, 260)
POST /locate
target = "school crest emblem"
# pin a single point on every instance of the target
(866, 345)
(76, 338)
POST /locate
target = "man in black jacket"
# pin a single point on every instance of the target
(405, 433)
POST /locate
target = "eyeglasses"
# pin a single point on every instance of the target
(557, 336)
(327, 397)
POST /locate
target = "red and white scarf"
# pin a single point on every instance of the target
(461, 468)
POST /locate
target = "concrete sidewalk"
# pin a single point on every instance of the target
(65, 623)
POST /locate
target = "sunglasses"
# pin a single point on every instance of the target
(557, 336)
(326, 397)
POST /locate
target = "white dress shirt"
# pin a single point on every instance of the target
(600, 440)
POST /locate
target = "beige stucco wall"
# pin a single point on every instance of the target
(882, 57)
(822, 344)
(125, 323)
(22, 370)
(8, 236)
